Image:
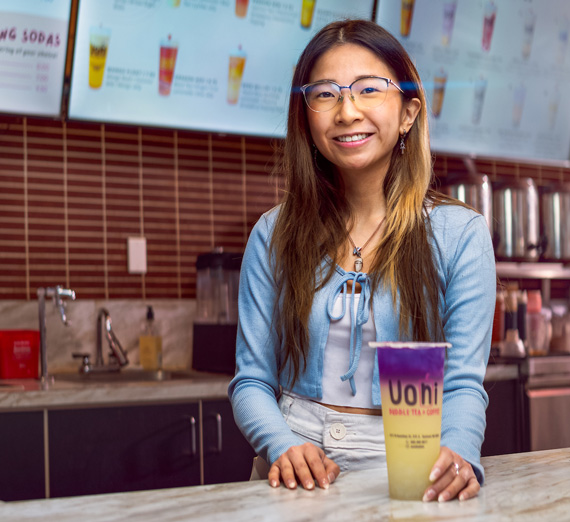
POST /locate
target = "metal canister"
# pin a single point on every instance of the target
(555, 213)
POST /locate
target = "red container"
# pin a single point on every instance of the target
(19, 354)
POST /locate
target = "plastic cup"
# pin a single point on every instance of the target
(449, 8)
(411, 386)
(529, 23)
(307, 10)
(235, 74)
(439, 81)
(98, 45)
(478, 99)
(167, 63)
(241, 8)
(406, 15)
(489, 16)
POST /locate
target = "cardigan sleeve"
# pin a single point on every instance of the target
(254, 388)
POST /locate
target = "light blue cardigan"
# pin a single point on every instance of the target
(466, 268)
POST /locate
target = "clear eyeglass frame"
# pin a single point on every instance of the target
(339, 97)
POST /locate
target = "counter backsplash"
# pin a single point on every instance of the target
(173, 318)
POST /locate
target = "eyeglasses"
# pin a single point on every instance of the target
(369, 92)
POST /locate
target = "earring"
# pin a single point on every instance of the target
(402, 144)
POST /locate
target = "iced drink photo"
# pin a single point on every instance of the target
(489, 16)
(406, 15)
(449, 8)
(98, 45)
(439, 81)
(235, 74)
(167, 63)
(519, 94)
(241, 8)
(307, 10)
(529, 23)
(411, 386)
(478, 99)
(563, 29)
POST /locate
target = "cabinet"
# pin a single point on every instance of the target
(227, 455)
(105, 450)
(22, 475)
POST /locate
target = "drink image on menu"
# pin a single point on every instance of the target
(478, 99)
(174, 3)
(167, 63)
(241, 8)
(519, 93)
(439, 81)
(563, 28)
(411, 389)
(449, 8)
(553, 102)
(307, 10)
(406, 15)
(489, 16)
(529, 23)
(235, 74)
(98, 46)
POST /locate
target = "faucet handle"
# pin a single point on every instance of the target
(85, 363)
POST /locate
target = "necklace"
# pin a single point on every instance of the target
(358, 250)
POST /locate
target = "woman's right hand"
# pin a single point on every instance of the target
(307, 464)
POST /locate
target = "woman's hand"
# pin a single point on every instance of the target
(451, 477)
(307, 464)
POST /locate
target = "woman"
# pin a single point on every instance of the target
(361, 249)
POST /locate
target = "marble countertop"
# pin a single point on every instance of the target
(520, 487)
(27, 394)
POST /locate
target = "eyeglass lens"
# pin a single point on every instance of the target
(367, 92)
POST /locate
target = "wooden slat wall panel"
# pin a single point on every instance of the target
(72, 193)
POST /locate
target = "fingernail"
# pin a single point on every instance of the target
(443, 497)
(273, 483)
(309, 484)
(436, 472)
(462, 496)
(325, 484)
(429, 495)
(291, 484)
(332, 477)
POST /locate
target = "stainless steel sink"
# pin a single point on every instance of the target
(133, 376)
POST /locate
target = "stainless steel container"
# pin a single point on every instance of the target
(473, 189)
(555, 213)
(516, 220)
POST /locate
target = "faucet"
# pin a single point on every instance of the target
(117, 357)
(58, 294)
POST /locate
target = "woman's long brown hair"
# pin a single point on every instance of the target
(314, 212)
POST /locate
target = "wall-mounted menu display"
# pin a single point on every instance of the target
(215, 65)
(494, 71)
(33, 45)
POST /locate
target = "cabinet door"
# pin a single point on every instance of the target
(504, 432)
(228, 457)
(104, 450)
(22, 455)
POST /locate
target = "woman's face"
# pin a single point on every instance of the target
(374, 131)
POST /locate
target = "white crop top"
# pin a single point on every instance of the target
(337, 360)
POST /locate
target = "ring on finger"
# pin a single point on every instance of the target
(456, 466)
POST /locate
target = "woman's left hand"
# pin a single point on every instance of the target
(451, 477)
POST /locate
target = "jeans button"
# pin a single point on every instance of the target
(338, 431)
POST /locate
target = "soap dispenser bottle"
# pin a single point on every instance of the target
(150, 344)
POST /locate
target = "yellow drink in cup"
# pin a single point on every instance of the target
(411, 385)
(406, 15)
(166, 65)
(98, 46)
(235, 74)
(307, 10)
(241, 8)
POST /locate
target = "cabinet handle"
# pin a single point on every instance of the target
(219, 426)
(192, 436)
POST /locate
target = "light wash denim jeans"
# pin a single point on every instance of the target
(353, 441)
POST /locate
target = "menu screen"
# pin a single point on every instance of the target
(33, 44)
(494, 71)
(215, 65)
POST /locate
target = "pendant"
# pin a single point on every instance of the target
(358, 264)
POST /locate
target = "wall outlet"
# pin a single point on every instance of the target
(136, 249)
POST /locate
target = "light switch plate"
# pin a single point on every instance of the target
(136, 249)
